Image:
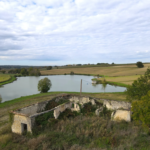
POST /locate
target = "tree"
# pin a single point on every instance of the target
(139, 64)
(34, 72)
(44, 85)
(49, 67)
(139, 87)
(24, 71)
(141, 109)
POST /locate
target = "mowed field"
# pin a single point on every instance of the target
(120, 70)
(4, 77)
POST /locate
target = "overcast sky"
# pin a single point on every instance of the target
(59, 32)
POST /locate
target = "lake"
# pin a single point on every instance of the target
(24, 86)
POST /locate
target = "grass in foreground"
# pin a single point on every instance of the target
(80, 133)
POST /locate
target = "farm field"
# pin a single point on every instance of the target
(122, 79)
(120, 70)
(4, 77)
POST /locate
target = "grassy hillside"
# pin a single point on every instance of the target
(79, 133)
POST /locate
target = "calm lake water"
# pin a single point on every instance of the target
(24, 86)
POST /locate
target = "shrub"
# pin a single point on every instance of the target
(88, 109)
(141, 109)
(49, 68)
(43, 119)
(71, 72)
(139, 87)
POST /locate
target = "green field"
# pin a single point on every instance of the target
(4, 77)
(128, 80)
(11, 79)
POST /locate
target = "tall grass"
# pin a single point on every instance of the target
(81, 133)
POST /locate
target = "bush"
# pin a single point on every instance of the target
(71, 72)
(43, 119)
(139, 64)
(49, 68)
(141, 110)
(139, 87)
(44, 85)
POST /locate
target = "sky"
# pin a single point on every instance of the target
(60, 32)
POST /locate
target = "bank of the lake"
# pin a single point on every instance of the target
(102, 81)
(12, 78)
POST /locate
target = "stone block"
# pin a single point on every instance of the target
(119, 115)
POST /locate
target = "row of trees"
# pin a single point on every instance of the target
(31, 71)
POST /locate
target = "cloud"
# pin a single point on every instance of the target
(74, 30)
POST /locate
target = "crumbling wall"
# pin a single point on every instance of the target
(114, 105)
(61, 108)
(19, 121)
(33, 109)
(80, 100)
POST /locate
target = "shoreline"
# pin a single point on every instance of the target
(12, 79)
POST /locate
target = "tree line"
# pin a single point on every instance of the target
(25, 72)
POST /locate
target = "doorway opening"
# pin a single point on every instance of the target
(24, 127)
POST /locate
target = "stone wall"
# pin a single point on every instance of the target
(32, 109)
(80, 100)
(61, 108)
(119, 115)
(114, 105)
(19, 122)
(25, 117)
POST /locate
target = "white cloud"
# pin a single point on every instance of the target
(74, 30)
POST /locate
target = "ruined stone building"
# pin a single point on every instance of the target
(24, 118)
